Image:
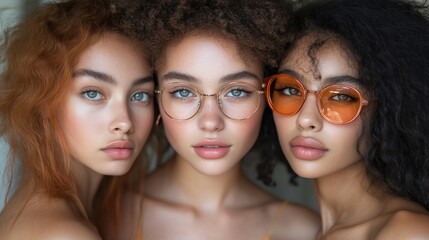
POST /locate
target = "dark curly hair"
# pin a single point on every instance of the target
(389, 39)
(259, 28)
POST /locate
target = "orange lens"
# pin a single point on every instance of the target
(286, 95)
(339, 104)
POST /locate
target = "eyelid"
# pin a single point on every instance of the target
(92, 89)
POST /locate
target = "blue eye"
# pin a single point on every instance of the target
(182, 93)
(92, 95)
(140, 97)
(237, 93)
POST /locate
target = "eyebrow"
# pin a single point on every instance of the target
(178, 76)
(291, 73)
(94, 74)
(108, 78)
(328, 81)
(225, 79)
(239, 75)
(343, 79)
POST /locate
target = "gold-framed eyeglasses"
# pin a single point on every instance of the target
(236, 100)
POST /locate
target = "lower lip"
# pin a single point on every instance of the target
(119, 153)
(307, 153)
(211, 153)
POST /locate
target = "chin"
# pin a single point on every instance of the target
(307, 171)
(117, 169)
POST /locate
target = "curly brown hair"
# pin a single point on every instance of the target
(258, 27)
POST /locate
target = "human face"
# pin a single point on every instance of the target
(313, 146)
(108, 113)
(209, 141)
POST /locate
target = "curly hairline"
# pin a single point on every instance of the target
(257, 27)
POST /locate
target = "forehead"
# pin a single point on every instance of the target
(318, 56)
(206, 56)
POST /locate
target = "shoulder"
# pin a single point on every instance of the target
(406, 224)
(293, 221)
(45, 220)
(64, 229)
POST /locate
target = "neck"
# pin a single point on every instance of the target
(206, 193)
(87, 182)
(344, 198)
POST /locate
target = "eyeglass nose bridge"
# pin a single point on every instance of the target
(203, 95)
(304, 99)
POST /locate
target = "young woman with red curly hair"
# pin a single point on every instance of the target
(75, 104)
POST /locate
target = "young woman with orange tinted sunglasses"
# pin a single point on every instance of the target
(350, 107)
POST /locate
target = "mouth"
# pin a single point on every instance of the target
(307, 148)
(211, 149)
(119, 150)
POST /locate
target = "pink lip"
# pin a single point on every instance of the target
(307, 148)
(211, 149)
(119, 149)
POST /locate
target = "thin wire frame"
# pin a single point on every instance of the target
(217, 95)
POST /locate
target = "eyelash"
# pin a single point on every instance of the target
(100, 96)
(97, 91)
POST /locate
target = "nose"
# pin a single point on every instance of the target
(210, 117)
(309, 117)
(121, 119)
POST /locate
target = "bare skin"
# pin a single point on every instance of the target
(350, 207)
(64, 221)
(96, 118)
(363, 215)
(197, 197)
(223, 207)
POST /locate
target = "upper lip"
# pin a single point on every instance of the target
(307, 142)
(211, 143)
(120, 144)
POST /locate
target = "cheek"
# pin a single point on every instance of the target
(247, 130)
(76, 120)
(143, 121)
(284, 126)
(344, 140)
(176, 131)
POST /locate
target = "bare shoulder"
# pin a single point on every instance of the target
(294, 221)
(406, 224)
(45, 220)
(54, 229)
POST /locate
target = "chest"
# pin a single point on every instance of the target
(182, 223)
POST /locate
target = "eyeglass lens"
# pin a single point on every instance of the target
(236, 100)
(338, 104)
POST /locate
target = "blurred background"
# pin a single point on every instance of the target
(11, 11)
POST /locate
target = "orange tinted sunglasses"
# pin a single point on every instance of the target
(338, 103)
